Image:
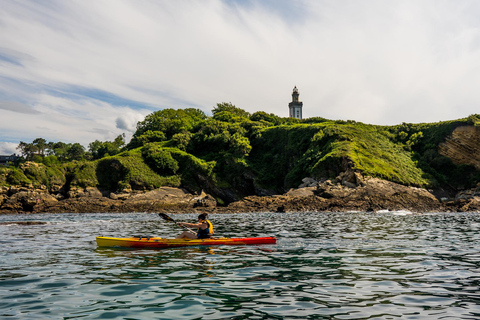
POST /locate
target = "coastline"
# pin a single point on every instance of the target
(355, 193)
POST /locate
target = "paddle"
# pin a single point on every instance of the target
(164, 216)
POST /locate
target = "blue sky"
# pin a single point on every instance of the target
(85, 70)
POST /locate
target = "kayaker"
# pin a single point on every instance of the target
(204, 228)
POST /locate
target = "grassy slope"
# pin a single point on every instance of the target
(281, 157)
(285, 155)
(405, 154)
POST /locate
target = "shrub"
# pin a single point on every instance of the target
(4, 172)
(159, 159)
(128, 169)
(16, 177)
(84, 175)
(181, 140)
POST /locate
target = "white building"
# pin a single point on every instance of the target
(295, 106)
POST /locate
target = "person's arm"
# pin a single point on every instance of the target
(194, 225)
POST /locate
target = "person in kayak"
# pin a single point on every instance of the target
(204, 228)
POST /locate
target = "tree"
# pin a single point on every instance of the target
(229, 107)
(216, 138)
(169, 121)
(147, 137)
(26, 149)
(263, 116)
(58, 149)
(94, 148)
(39, 145)
(100, 149)
(76, 152)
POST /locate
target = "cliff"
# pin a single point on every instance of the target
(463, 146)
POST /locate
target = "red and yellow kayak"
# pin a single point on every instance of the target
(153, 243)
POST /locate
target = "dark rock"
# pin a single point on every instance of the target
(349, 192)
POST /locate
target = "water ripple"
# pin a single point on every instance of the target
(324, 266)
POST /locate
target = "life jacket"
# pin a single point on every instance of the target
(205, 233)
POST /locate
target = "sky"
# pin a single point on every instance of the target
(86, 70)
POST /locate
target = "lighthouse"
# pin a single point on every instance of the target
(295, 106)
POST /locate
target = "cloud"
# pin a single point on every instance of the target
(128, 121)
(8, 148)
(60, 119)
(91, 70)
(19, 107)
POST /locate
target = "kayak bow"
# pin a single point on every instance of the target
(153, 243)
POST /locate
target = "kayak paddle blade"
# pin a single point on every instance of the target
(165, 217)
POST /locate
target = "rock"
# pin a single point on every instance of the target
(59, 196)
(13, 190)
(372, 195)
(92, 192)
(350, 191)
(351, 178)
(349, 184)
(308, 182)
(28, 201)
(204, 201)
(301, 192)
(463, 146)
(3, 190)
(123, 196)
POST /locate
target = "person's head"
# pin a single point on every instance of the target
(202, 216)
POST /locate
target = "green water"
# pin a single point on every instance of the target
(324, 266)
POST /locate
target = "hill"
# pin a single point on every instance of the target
(234, 154)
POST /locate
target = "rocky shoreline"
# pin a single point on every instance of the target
(349, 192)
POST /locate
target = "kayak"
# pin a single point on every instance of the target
(154, 242)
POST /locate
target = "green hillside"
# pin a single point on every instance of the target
(234, 154)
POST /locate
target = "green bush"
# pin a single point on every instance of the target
(181, 140)
(196, 174)
(16, 177)
(111, 174)
(84, 174)
(169, 122)
(227, 107)
(36, 173)
(129, 170)
(215, 138)
(159, 159)
(276, 153)
(4, 172)
(147, 137)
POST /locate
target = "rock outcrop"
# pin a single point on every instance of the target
(463, 146)
(350, 191)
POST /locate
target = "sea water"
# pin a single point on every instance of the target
(324, 266)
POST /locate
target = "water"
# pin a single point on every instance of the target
(324, 266)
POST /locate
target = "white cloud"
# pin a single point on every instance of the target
(8, 148)
(374, 61)
(128, 121)
(60, 119)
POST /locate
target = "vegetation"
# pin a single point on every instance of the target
(238, 151)
(99, 149)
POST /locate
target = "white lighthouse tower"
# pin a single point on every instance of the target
(295, 106)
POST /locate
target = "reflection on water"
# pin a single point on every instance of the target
(324, 266)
